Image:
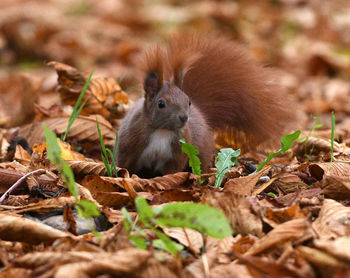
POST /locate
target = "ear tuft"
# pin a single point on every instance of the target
(152, 84)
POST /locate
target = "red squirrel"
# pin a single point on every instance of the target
(193, 87)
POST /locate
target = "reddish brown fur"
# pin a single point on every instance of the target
(153, 60)
(231, 89)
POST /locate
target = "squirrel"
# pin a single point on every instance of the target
(194, 87)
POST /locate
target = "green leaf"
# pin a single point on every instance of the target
(203, 218)
(87, 209)
(68, 178)
(53, 148)
(145, 211)
(169, 245)
(288, 140)
(194, 160)
(97, 234)
(271, 194)
(158, 243)
(54, 155)
(226, 159)
(77, 109)
(129, 225)
(139, 242)
(286, 143)
(113, 167)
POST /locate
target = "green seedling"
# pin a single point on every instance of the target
(194, 160)
(226, 159)
(77, 107)
(203, 218)
(107, 155)
(271, 194)
(85, 208)
(286, 143)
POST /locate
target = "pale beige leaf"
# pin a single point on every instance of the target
(20, 229)
(326, 263)
(333, 220)
(187, 237)
(339, 247)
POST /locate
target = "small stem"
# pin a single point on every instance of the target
(17, 183)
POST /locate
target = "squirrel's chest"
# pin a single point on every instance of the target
(158, 150)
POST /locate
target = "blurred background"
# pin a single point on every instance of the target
(308, 42)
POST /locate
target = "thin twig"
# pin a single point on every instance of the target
(17, 183)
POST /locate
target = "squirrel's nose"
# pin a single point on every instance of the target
(183, 118)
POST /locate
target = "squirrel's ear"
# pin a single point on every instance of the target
(152, 84)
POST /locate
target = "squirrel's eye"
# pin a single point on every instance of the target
(189, 103)
(161, 103)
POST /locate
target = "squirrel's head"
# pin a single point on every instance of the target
(166, 105)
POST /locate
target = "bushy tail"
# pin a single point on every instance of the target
(238, 97)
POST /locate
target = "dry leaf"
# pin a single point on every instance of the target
(25, 230)
(83, 129)
(332, 221)
(239, 210)
(293, 230)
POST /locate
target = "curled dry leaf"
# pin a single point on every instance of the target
(83, 130)
(238, 209)
(289, 182)
(42, 205)
(245, 185)
(105, 94)
(336, 187)
(86, 168)
(20, 229)
(314, 146)
(122, 263)
(297, 229)
(337, 168)
(22, 156)
(276, 216)
(243, 244)
(333, 220)
(175, 195)
(8, 177)
(107, 184)
(334, 181)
